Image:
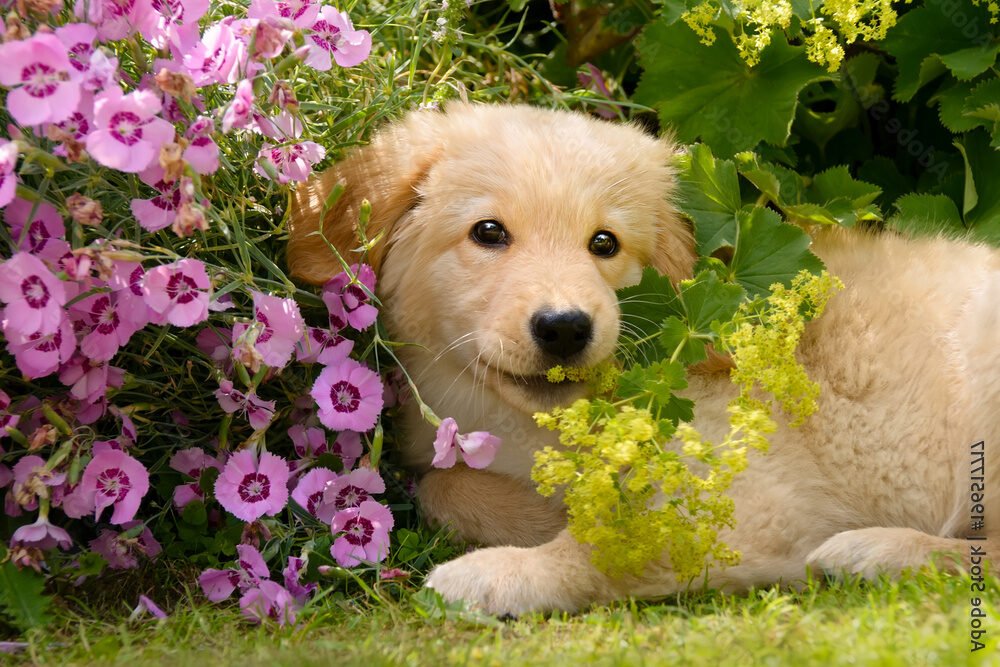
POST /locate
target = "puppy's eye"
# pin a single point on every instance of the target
(489, 233)
(603, 244)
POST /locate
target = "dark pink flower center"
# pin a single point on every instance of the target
(171, 9)
(114, 483)
(76, 125)
(119, 8)
(314, 500)
(201, 142)
(351, 496)
(358, 531)
(103, 316)
(40, 80)
(78, 53)
(353, 298)
(126, 127)
(167, 202)
(37, 236)
(254, 488)
(266, 334)
(326, 36)
(36, 294)
(345, 397)
(47, 343)
(181, 288)
(135, 281)
(292, 10)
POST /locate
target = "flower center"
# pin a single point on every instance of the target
(78, 53)
(76, 125)
(48, 343)
(119, 7)
(114, 483)
(326, 36)
(171, 9)
(39, 79)
(266, 334)
(313, 501)
(104, 316)
(293, 9)
(181, 288)
(345, 397)
(358, 531)
(351, 496)
(135, 281)
(353, 298)
(36, 294)
(126, 127)
(254, 488)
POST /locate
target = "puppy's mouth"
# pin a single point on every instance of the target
(533, 390)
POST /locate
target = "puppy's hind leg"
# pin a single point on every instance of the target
(872, 551)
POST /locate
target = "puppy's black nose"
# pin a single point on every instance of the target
(561, 333)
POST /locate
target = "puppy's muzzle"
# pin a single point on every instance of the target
(562, 334)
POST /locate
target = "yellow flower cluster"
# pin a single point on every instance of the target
(760, 18)
(822, 46)
(764, 340)
(699, 18)
(861, 19)
(602, 378)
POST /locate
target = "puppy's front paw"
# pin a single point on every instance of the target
(873, 551)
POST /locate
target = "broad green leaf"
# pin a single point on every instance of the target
(21, 596)
(710, 196)
(983, 165)
(658, 381)
(769, 251)
(677, 341)
(709, 92)
(927, 43)
(952, 107)
(706, 299)
(925, 215)
(984, 101)
(643, 308)
(837, 182)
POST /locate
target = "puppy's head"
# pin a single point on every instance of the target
(505, 232)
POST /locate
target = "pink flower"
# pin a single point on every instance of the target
(308, 492)
(322, 346)
(348, 447)
(349, 396)
(160, 211)
(106, 331)
(349, 491)
(293, 574)
(179, 291)
(250, 570)
(34, 297)
(191, 462)
(364, 534)
(38, 228)
(8, 177)
(281, 327)
(126, 283)
(89, 381)
(259, 413)
(38, 72)
(32, 480)
(290, 162)
(113, 478)
(174, 22)
(300, 12)
(347, 298)
(8, 418)
(38, 355)
(78, 38)
(147, 606)
(269, 601)
(478, 448)
(202, 153)
(121, 551)
(238, 113)
(333, 34)
(217, 58)
(250, 487)
(41, 535)
(115, 19)
(308, 442)
(214, 344)
(128, 134)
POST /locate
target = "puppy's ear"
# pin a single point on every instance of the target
(674, 255)
(386, 173)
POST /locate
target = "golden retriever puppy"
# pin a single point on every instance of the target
(506, 231)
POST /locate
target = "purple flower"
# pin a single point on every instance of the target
(147, 606)
(160, 211)
(478, 448)
(249, 488)
(115, 19)
(349, 491)
(106, 331)
(38, 228)
(309, 442)
(364, 534)
(174, 22)
(8, 177)
(293, 574)
(38, 72)
(202, 153)
(217, 57)
(88, 380)
(121, 551)
(238, 113)
(349, 396)
(179, 291)
(78, 38)
(41, 535)
(259, 413)
(128, 134)
(300, 12)
(38, 355)
(191, 462)
(308, 492)
(250, 570)
(269, 601)
(348, 447)
(34, 297)
(334, 35)
(322, 346)
(347, 298)
(281, 327)
(113, 478)
(289, 162)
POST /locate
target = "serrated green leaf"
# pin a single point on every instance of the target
(679, 343)
(710, 196)
(708, 92)
(983, 103)
(769, 251)
(706, 299)
(951, 107)
(643, 307)
(21, 596)
(925, 215)
(836, 183)
(967, 64)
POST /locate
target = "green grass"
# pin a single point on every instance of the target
(922, 620)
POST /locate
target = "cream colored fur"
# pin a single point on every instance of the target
(907, 356)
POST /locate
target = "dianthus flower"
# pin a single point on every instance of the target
(38, 355)
(191, 462)
(179, 291)
(349, 396)
(348, 491)
(268, 601)
(127, 133)
(308, 492)
(249, 571)
(38, 229)
(38, 72)
(478, 448)
(8, 177)
(322, 346)
(364, 534)
(250, 487)
(114, 479)
(34, 297)
(259, 413)
(348, 301)
(334, 35)
(121, 551)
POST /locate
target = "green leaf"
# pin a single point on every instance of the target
(706, 299)
(710, 196)
(643, 307)
(194, 513)
(708, 92)
(926, 43)
(657, 382)
(984, 102)
(925, 215)
(677, 341)
(837, 182)
(769, 251)
(982, 167)
(951, 107)
(21, 596)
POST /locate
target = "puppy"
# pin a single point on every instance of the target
(505, 232)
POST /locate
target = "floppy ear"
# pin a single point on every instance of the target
(674, 255)
(386, 173)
